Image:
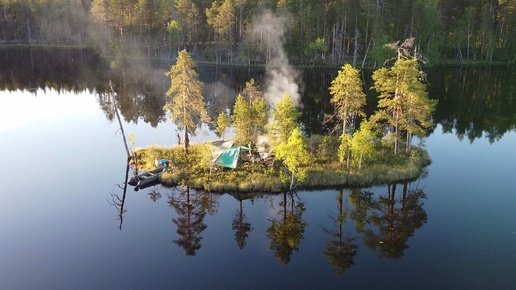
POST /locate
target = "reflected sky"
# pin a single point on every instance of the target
(19, 109)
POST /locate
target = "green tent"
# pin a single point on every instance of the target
(229, 157)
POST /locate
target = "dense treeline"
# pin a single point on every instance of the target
(240, 31)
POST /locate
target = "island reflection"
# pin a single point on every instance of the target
(359, 220)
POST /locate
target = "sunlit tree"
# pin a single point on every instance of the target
(186, 102)
(404, 102)
(242, 121)
(285, 120)
(348, 97)
(363, 143)
(258, 108)
(222, 124)
(294, 154)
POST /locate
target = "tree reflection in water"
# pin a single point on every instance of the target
(340, 249)
(118, 202)
(240, 225)
(154, 195)
(286, 234)
(396, 219)
(190, 219)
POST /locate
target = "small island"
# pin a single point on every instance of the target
(198, 170)
(270, 151)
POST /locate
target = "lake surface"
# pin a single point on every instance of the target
(63, 162)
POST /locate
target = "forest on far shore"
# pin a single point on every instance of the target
(249, 32)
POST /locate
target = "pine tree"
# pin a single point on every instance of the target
(404, 102)
(222, 124)
(258, 108)
(187, 107)
(348, 100)
(285, 120)
(242, 121)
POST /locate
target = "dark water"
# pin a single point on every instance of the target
(62, 161)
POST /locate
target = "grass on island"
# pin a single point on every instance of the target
(198, 171)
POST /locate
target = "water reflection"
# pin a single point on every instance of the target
(286, 230)
(118, 202)
(384, 222)
(388, 222)
(340, 249)
(190, 219)
(240, 225)
(473, 100)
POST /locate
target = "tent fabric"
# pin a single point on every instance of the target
(229, 158)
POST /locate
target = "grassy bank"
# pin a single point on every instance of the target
(198, 171)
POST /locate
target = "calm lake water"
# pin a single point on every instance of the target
(63, 162)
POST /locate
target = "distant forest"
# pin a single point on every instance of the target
(248, 32)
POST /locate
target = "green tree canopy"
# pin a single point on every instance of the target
(258, 108)
(187, 107)
(404, 102)
(294, 154)
(348, 96)
(363, 143)
(285, 120)
(242, 121)
(222, 124)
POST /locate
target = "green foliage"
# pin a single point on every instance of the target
(363, 143)
(196, 170)
(316, 49)
(173, 30)
(242, 121)
(186, 102)
(258, 109)
(222, 124)
(348, 97)
(294, 155)
(462, 30)
(404, 103)
(131, 140)
(285, 120)
(380, 53)
(344, 147)
(429, 27)
(249, 114)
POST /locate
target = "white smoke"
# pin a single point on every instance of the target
(268, 32)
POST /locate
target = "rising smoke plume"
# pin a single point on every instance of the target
(268, 32)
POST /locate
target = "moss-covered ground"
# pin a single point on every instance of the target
(198, 171)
